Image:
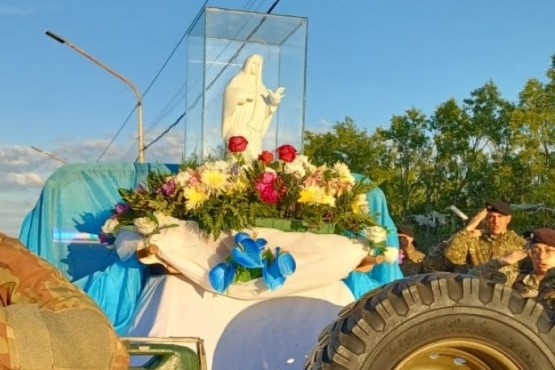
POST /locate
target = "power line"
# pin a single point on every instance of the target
(149, 87)
(234, 56)
(168, 108)
(176, 99)
(273, 6)
(276, 2)
(166, 130)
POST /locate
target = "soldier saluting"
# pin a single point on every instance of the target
(472, 247)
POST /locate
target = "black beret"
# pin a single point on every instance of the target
(405, 229)
(544, 236)
(499, 206)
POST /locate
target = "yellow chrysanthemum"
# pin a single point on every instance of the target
(344, 173)
(316, 195)
(214, 180)
(240, 185)
(195, 198)
(360, 204)
(328, 200)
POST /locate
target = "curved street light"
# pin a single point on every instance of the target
(49, 155)
(61, 40)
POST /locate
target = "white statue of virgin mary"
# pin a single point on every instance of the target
(248, 106)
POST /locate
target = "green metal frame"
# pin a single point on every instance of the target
(169, 353)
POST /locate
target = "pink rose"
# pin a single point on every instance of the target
(265, 188)
(269, 195)
(287, 153)
(237, 144)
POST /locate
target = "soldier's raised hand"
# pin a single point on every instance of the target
(513, 257)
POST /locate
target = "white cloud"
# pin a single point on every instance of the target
(23, 166)
(168, 149)
(323, 127)
(30, 178)
(13, 208)
(14, 156)
(23, 170)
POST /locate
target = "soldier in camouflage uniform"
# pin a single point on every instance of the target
(471, 247)
(544, 264)
(540, 282)
(435, 261)
(48, 323)
(412, 257)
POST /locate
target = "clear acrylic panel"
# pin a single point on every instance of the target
(218, 45)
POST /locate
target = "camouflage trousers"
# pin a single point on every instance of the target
(73, 338)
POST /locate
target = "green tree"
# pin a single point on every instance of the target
(465, 137)
(408, 159)
(348, 144)
(463, 154)
(533, 122)
(490, 113)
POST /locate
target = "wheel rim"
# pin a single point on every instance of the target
(458, 354)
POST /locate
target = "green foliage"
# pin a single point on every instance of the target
(230, 195)
(463, 153)
(532, 218)
(345, 143)
(348, 220)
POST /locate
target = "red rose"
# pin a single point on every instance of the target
(266, 157)
(287, 153)
(237, 144)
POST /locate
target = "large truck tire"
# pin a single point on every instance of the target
(438, 321)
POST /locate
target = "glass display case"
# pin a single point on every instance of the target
(220, 82)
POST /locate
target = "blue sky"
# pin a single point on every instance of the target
(366, 59)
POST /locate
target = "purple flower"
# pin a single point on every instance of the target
(235, 169)
(121, 208)
(106, 238)
(168, 189)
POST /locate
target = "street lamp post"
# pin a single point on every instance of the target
(125, 80)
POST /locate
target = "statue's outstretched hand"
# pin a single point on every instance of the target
(275, 96)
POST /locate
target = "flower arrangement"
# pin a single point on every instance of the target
(231, 194)
(377, 238)
(250, 259)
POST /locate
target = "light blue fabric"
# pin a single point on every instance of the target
(63, 229)
(116, 290)
(384, 272)
(359, 282)
(76, 200)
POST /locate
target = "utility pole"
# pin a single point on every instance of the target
(61, 40)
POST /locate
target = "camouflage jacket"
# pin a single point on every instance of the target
(525, 283)
(472, 252)
(435, 260)
(26, 280)
(546, 293)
